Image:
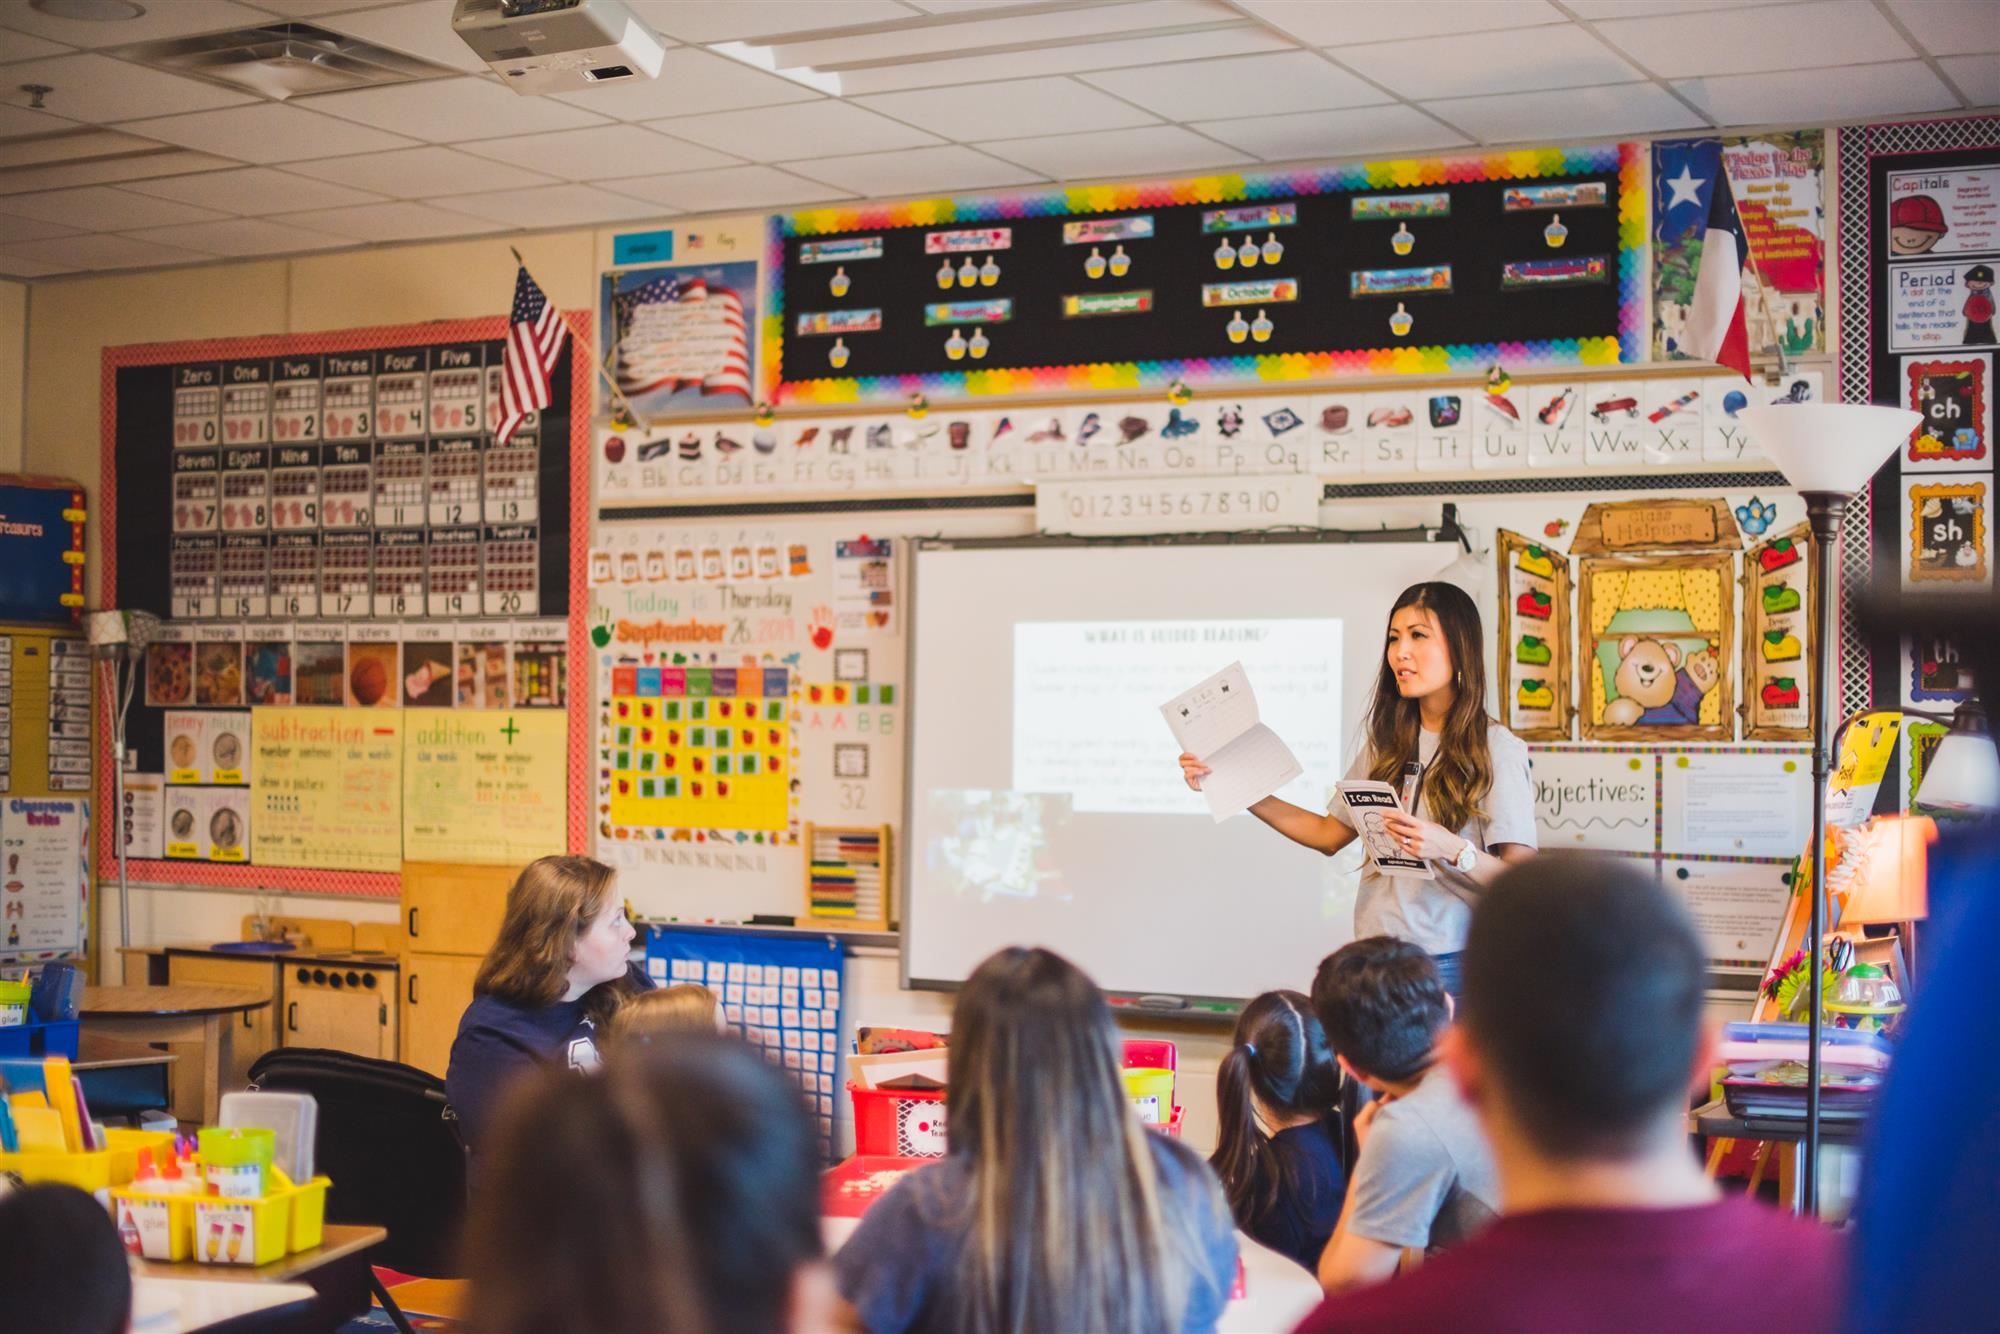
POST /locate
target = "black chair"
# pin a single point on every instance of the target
(388, 1140)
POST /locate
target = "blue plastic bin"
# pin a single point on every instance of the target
(57, 1038)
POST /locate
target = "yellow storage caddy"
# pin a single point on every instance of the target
(161, 1226)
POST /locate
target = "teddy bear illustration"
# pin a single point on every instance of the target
(1656, 687)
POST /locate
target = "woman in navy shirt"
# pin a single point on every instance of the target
(555, 973)
(1054, 1208)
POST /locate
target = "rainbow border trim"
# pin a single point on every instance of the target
(1629, 346)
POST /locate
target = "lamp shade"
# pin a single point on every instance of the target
(1963, 775)
(1828, 446)
(1889, 880)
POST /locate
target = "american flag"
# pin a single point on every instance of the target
(718, 355)
(534, 342)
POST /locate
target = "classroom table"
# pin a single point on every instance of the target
(191, 1021)
(190, 1305)
(121, 1078)
(1714, 1121)
(337, 1270)
(1277, 1293)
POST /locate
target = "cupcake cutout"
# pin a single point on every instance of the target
(968, 273)
(836, 356)
(1555, 233)
(1225, 255)
(989, 272)
(1404, 241)
(1261, 328)
(1274, 249)
(944, 275)
(1400, 322)
(978, 344)
(839, 283)
(1247, 253)
(954, 346)
(1094, 266)
(1238, 328)
(1121, 263)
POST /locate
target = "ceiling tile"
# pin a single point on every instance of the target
(443, 111)
(692, 82)
(1811, 96)
(1267, 85)
(550, 206)
(421, 29)
(1521, 61)
(1621, 9)
(18, 121)
(1626, 108)
(764, 133)
(390, 222)
(20, 46)
(14, 267)
(177, 18)
(100, 208)
(77, 144)
(913, 171)
(420, 173)
(1321, 134)
(98, 89)
(105, 171)
(1069, 23)
(267, 133)
(1125, 53)
(1016, 108)
(1978, 78)
(1951, 27)
(725, 188)
(14, 229)
(705, 21)
(1149, 150)
(253, 191)
(1317, 23)
(103, 252)
(612, 150)
(1830, 32)
(235, 237)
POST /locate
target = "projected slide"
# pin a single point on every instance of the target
(1087, 698)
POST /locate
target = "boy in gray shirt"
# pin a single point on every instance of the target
(1424, 1177)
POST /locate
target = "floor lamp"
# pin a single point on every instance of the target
(1828, 452)
(118, 641)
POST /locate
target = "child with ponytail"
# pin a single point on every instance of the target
(1278, 1147)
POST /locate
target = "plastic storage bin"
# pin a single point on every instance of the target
(158, 1227)
(898, 1123)
(56, 1038)
(255, 1232)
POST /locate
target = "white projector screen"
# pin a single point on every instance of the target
(1043, 804)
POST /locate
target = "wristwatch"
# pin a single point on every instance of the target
(1467, 858)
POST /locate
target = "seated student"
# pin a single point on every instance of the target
(648, 1016)
(678, 1191)
(557, 970)
(1054, 1207)
(1278, 1149)
(1581, 1039)
(1424, 1175)
(62, 1269)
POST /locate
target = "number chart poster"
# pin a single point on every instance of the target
(342, 488)
(1416, 267)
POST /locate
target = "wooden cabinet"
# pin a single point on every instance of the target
(436, 990)
(449, 909)
(344, 1006)
(256, 1030)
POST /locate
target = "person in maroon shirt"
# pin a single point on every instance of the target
(1581, 1033)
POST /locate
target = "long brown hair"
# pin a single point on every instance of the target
(551, 904)
(1069, 1229)
(1461, 774)
(675, 1193)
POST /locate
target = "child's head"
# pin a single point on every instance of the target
(1279, 1068)
(1038, 1108)
(1383, 1005)
(678, 1190)
(62, 1269)
(647, 1017)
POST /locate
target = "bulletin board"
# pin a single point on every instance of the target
(789, 627)
(1920, 216)
(324, 520)
(1420, 266)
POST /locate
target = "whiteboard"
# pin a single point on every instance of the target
(1079, 835)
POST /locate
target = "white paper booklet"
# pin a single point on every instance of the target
(1218, 721)
(1367, 800)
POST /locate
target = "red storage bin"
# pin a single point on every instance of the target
(1150, 1054)
(900, 1123)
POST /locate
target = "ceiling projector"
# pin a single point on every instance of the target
(558, 46)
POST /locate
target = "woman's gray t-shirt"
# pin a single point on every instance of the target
(1436, 913)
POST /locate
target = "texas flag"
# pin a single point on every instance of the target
(1715, 327)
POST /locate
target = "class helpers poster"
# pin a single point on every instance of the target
(41, 553)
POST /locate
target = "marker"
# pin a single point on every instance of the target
(1412, 774)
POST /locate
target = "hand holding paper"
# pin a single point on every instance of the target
(1369, 802)
(1218, 721)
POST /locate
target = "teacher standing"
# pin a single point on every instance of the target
(1475, 806)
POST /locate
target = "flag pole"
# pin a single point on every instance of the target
(603, 373)
(1750, 256)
